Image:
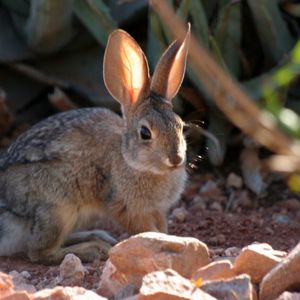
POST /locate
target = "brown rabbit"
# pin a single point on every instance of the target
(90, 162)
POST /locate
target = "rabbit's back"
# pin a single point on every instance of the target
(56, 162)
(61, 136)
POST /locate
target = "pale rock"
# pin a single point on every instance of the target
(235, 181)
(285, 275)
(6, 285)
(216, 206)
(71, 270)
(291, 204)
(180, 214)
(216, 270)
(234, 288)
(66, 293)
(257, 260)
(20, 282)
(199, 203)
(210, 190)
(169, 285)
(219, 239)
(148, 252)
(289, 296)
(232, 251)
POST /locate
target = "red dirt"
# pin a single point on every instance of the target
(210, 219)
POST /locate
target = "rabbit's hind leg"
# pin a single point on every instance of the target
(48, 233)
(14, 233)
(91, 235)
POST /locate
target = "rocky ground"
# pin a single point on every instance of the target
(217, 210)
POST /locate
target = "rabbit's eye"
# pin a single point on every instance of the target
(145, 133)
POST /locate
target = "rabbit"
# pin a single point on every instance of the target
(90, 162)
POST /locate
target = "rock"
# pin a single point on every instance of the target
(283, 276)
(180, 214)
(20, 282)
(281, 219)
(148, 252)
(234, 181)
(210, 190)
(6, 285)
(198, 203)
(169, 285)
(216, 270)
(257, 260)
(291, 204)
(216, 206)
(66, 293)
(71, 270)
(289, 296)
(21, 295)
(238, 287)
(232, 251)
(112, 281)
(219, 239)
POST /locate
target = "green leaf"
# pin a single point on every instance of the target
(94, 14)
(274, 35)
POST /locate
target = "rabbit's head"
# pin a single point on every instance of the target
(153, 140)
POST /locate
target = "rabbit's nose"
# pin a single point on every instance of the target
(176, 159)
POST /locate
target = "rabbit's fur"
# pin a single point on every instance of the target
(86, 162)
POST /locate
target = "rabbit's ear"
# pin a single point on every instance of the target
(125, 68)
(169, 72)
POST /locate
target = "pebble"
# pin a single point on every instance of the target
(210, 189)
(72, 269)
(199, 203)
(232, 251)
(219, 239)
(216, 206)
(180, 214)
(281, 219)
(234, 181)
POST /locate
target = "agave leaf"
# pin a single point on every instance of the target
(220, 127)
(200, 23)
(228, 36)
(94, 14)
(49, 26)
(156, 39)
(274, 35)
(127, 12)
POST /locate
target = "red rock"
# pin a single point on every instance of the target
(169, 285)
(22, 295)
(234, 288)
(6, 285)
(285, 275)
(257, 260)
(147, 252)
(216, 270)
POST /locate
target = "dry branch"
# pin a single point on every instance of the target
(227, 94)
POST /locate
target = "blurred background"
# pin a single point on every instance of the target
(51, 54)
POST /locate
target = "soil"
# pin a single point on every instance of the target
(224, 217)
